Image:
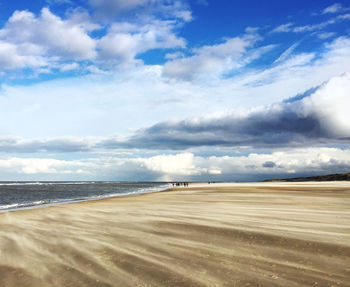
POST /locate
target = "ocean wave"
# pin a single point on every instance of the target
(54, 183)
(23, 205)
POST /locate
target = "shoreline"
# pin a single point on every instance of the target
(34, 205)
(233, 234)
(191, 185)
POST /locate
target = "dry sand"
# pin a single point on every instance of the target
(265, 234)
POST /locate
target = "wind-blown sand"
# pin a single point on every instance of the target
(262, 234)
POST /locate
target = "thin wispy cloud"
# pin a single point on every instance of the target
(325, 35)
(284, 27)
(59, 145)
(332, 9)
(292, 27)
(287, 53)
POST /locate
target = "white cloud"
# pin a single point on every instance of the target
(30, 41)
(315, 27)
(185, 15)
(283, 28)
(113, 103)
(332, 9)
(290, 27)
(343, 17)
(44, 41)
(331, 103)
(175, 55)
(60, 145)
(50, 34)
(214, 59)
(179, 164)
(95, 70)
(309, 28)
(287, 53)
(325, 35)
(19, 57)
(124, 42)
(81, 18)
(307, 161)
(34, 166)
(299, 72)
(319, 115)
(101, 105)
(69, 67)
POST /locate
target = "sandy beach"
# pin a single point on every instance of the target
(236, 234)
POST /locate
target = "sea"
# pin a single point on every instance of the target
(27, 195)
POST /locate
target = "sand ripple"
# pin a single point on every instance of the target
(222, 235)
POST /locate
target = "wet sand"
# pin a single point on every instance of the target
(254, 234)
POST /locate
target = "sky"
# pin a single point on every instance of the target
(174, 90)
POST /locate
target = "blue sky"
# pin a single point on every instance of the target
(173, 90)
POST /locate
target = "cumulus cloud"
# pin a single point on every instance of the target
(69, 67)
(48, 41)
(50, 34)
(181, 166)
(320, 115)
(211, 58)
(125, 41)
(19, 56)
(102, 104)
(30, 41)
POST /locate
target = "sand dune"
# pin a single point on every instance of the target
(265, 234)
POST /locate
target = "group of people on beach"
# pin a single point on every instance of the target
(185, 184)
